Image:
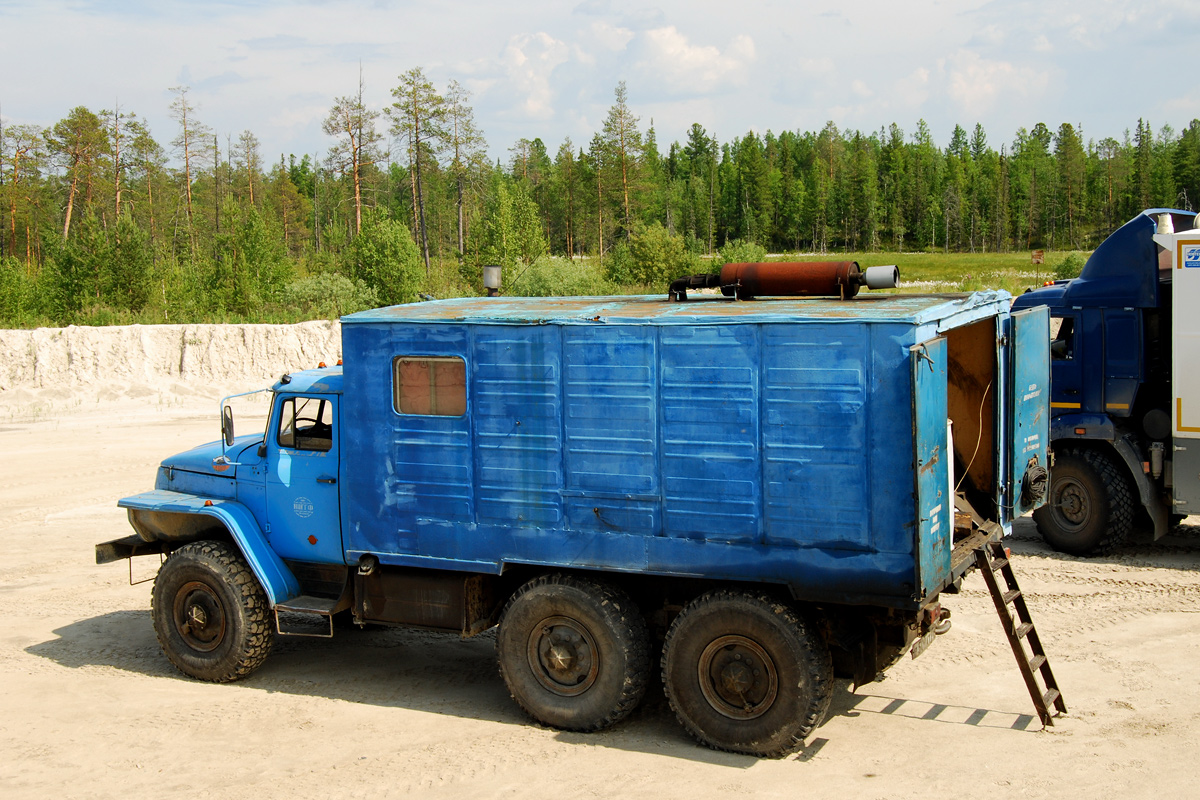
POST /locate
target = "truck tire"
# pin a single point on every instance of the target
(573, 652)
(746, 673)
(210, 613)
(1089, 509)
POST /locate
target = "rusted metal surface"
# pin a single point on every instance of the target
(840, 279)
(453, 601)
(126, 547)
(658, 310)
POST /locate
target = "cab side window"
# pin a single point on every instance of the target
(1062, 338)
(306, 423)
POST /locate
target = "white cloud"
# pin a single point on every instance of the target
(859, 88)
(670, 57)
(813, 67)
(611, 37)
(979, 85)
(529, 60)
(913, 89)
(1185, 104)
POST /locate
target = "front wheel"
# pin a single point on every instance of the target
(1089, 509)
(573, 652)
(211, 615)
(746, 673)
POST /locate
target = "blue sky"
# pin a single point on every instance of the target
(538, 69)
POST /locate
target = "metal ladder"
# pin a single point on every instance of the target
(990, 559)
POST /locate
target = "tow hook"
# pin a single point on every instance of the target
(937, 619)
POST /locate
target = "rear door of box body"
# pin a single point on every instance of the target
(935, 503)
(1028, 402)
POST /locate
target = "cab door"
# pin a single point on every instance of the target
(1066, 359)
(303, 508)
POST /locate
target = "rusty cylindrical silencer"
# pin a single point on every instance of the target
(790, 279)
(800, 279)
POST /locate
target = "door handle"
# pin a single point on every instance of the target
(326, 479)
(1070, 391)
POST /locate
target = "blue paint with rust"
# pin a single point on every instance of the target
(774, 441)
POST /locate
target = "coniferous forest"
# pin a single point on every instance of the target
(104, 221)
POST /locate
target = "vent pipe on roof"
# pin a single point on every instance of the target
(491, 279)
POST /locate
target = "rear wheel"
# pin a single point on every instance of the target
(746, 673)
(573, 652)
(210, 613)
(1089, 509)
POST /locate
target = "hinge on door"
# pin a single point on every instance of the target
(266, 527)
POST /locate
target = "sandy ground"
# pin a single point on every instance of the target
(91, 707)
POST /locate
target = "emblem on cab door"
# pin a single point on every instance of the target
(303, 507)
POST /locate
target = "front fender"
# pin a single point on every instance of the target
(277, 580)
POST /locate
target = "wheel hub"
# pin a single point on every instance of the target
(1072, 504)
(737, 677)
(199, 616)
(563, 656)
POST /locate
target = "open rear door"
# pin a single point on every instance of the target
(1029, 408)
(931, 459)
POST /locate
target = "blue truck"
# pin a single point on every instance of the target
(756, 495)
(1125, 391)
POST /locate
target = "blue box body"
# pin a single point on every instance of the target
(796, 442)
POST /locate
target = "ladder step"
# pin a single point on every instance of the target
(1036, 662)
(308, 604)
(1008, 597)
(306, 616)
(1022, 630)
(999, 564)
(1050, 696)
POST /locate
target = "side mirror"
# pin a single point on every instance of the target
(227, 425)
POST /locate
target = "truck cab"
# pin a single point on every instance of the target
(1113, 335)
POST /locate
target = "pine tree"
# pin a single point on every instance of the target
(467, 149)
(189, 143)
(354, 125)
(79, 141)
(624, 143)
(419, 118)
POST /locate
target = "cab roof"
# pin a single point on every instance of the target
(324, 380)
